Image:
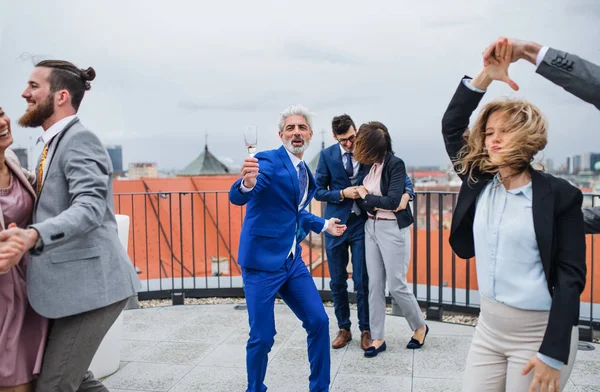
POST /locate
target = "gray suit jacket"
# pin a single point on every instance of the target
(582, 79)
(82, 265)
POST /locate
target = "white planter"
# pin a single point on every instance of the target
(108, 357)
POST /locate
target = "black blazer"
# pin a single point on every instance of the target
(557, 220)
(393, 181)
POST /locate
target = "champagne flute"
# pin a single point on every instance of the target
(251, 139)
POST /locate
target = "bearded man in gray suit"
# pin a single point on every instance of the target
(79, 276)
(576, 75)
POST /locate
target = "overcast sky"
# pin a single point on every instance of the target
(169, 71)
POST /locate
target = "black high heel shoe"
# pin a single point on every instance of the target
(414, 344)
(373, 351)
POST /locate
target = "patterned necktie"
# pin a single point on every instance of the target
(349, 166)
(41, 169)
(302, 179)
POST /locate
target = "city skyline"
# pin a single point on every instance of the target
(159, 89)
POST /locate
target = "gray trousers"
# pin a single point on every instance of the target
(387, 249)
(72, 344)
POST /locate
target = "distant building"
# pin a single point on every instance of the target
(575, 164)
(206, 164)
(595, 162)
(23, 156)
(138, 170)
(116, 156)
(585, 161)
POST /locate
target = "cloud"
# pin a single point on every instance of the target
(316, 54)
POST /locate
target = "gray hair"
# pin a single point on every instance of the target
(295, 110)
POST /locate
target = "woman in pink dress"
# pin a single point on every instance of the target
(22, 330)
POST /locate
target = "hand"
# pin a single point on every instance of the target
(28, 236)
(518, 50)
(403, 202)
(544, 376)
(350, 193)
(362, 191)
(250, 172)
(11, 252)
(497, 67)
(334, 229)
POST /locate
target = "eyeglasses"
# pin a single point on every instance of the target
(350, 139)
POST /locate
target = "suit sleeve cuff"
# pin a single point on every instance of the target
(553, 363)
(243, 188)
(38, 248)
(467, 83)
(541, 55)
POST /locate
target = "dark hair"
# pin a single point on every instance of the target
(66, 76)
(341, 124)
(373, 143)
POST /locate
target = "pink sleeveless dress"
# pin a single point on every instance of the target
(22, 331)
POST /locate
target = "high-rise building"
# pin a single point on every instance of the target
(595, 162)
(576, 164)
(138, 170)
(116, 156)
(23, 156)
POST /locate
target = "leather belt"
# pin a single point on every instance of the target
(379, 219)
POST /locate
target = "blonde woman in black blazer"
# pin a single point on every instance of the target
(514, 218)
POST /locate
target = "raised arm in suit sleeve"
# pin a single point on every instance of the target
(456, 118)
(576, 75)
(85, 164)
(237, 197)
(323, 180)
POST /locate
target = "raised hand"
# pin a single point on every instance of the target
(518, 50)
(499, 61)
(250, 172)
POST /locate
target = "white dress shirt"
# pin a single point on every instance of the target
(47, 138)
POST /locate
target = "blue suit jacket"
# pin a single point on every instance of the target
(331, 178)
(272, 217)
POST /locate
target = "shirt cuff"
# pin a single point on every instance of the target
(553, 363)
(325, 225)
(541, 55)
(467, 83)
(243, 188)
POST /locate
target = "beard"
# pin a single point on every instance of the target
(38, 114)
(296, 150)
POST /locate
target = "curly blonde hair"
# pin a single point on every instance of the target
(521, 117)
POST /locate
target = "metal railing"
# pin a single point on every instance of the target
(185, 244)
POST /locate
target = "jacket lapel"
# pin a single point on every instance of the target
(339, 162)
(291, 170)
(543, 205)
(467, 197)
(20, 176)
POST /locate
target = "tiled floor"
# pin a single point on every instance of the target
(202, 348)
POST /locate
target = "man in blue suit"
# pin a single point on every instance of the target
(270, 253)
(337, 176)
